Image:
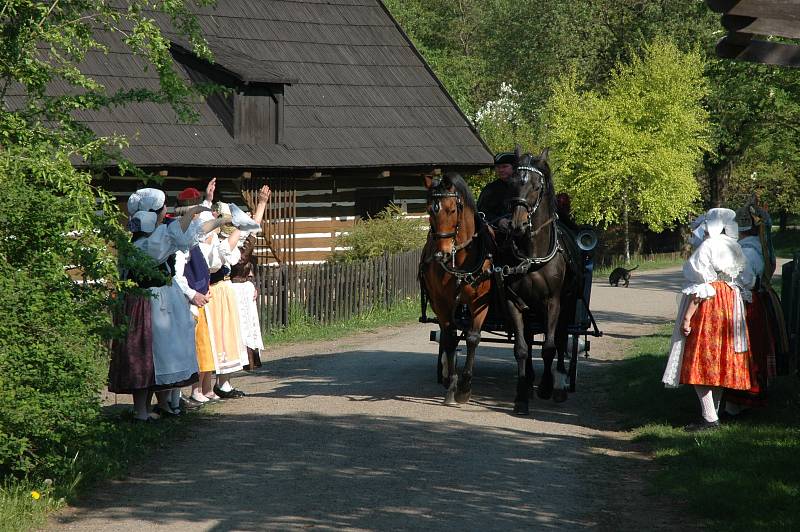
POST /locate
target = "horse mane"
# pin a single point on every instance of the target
(462, 188)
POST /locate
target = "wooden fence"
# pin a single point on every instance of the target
(329, 293)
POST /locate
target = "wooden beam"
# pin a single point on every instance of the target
(437, 171)
(386, 173)
(316, 175)
(756, 51)
(247, 174)
(163, 173)
(774, 9)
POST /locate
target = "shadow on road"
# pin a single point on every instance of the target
(254, 472)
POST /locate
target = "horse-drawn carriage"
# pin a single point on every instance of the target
(534, 281)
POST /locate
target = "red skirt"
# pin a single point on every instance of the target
(709, 358)
(762, 350)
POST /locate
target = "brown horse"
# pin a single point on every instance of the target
(541, 277)
(456, 269)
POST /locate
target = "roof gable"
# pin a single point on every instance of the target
(358, 94)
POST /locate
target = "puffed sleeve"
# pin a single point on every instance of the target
(699, 272)
(754, 267)
(212, 254)
(230, 257)
(169, 238)
(181, 258)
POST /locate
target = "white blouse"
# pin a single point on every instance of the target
(718, 258)
(218, 254)
(754, 267)
(167, 239)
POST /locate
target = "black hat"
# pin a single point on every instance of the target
(505, 157)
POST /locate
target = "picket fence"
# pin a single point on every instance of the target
(328, 293)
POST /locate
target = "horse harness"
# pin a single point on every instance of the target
(528, 263)
(464, 277)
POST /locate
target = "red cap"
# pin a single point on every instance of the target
(189, 196)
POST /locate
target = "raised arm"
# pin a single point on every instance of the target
(261, 207)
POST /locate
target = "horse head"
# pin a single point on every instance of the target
(529, 186)
(446, 202)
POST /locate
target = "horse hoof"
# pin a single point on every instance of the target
(559, 396)
(449, 402)
(521, 408)
(463, 397)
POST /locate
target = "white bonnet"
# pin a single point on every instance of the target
(143, 207)
(721, 220)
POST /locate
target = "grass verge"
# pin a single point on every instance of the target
(786, 243)
(741, 477)
(303, 328)
(118, 444)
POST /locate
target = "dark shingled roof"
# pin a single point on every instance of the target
(360, 94)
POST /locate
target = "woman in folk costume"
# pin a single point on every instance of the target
(222, 313)
(242, 277)
(193, 277)
(764, 317)
(158, 351)
(710, 346)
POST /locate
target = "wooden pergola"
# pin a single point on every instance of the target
(748, 22)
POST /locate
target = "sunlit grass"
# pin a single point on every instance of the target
(741, 477)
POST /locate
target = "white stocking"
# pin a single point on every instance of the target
(710, 397)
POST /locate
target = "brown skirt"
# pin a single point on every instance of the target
(131, 367)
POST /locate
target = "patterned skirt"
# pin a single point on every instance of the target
(709, 357)
(762, 350)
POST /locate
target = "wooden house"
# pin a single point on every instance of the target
(331, 105)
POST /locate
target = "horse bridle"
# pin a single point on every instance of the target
(459, 206)
(522, 202)
(526, 263)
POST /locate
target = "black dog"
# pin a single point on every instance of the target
(620, 274)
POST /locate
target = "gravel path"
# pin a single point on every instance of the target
(351, 434)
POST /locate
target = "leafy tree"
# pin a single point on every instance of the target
(630, 152)
(53, 362)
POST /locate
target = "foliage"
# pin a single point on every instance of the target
(391, 231)
(741, 477)
(54, 222)
(633, 149)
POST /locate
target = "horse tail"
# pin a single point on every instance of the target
(633, 268)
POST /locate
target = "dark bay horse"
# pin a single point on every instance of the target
(455, 269)
(541, 277)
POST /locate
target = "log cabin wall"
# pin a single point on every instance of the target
(305, 214)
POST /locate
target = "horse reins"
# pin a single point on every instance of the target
(463, 276)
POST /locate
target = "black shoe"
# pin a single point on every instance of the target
(170, 413)
(233, 394)
(702, 426)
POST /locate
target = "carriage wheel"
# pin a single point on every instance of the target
(573, 364)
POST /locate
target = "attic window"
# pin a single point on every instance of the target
(258, 115)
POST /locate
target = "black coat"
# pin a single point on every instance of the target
(492, 201)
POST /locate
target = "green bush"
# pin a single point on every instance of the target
(52, 361)
(390, 231)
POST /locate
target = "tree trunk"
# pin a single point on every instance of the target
(718, 177)
(627, 228)
(784, 217)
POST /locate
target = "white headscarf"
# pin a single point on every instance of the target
(721, 221)
(143, 207)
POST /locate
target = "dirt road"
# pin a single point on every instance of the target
(352, 435)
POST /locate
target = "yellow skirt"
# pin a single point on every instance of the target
(205, 357)
(222, 316)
